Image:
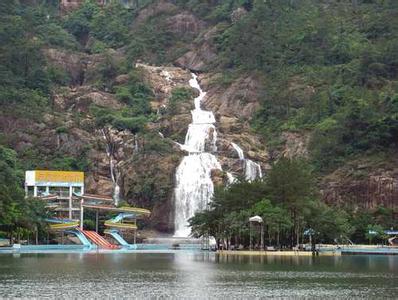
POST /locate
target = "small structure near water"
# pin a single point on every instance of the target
(63, 193)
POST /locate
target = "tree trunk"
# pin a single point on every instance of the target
(37, 236)
(278, 239)
(313, 243)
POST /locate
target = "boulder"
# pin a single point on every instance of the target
(185, 25)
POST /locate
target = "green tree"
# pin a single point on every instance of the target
(327, 224)
(291, 184)
(276, 219)
(374, 231)
(17, 214)
(79, 22)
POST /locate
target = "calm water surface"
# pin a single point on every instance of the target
(185, 275)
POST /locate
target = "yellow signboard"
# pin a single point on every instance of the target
(59, 176)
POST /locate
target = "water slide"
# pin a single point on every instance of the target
(99, 240)
(62, 224)
(116, 235)
(80, 236)
(117, 222)
(393, 241)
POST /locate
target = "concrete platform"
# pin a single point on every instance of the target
(278, 253)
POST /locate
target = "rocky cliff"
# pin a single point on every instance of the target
(143, 165)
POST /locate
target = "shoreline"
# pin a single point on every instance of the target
(278, 253)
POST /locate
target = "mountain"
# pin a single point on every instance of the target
(105, 89)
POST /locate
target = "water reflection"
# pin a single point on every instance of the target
(196, 276)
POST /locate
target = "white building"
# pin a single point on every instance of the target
(62, 184)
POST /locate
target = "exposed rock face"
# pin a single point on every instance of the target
(69, 5)
(159, 7)
(95, 61)
(374, 189)
(185, 25)
(231, 127)
(295, 144)
(240, 99)
(238, 14)
(148, 181)
(144, 166)
(83, 69)
(71, 63)
(202, 52)
(219, 178)
(164, 79)
(80, 98)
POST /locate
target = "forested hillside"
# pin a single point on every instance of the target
(314, 80)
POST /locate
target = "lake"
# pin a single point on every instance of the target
(190, 275)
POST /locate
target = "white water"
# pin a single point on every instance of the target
(114, 174)
(239, 151)
(136, 142)
(252, 169)
(194, 186)
(231, 178)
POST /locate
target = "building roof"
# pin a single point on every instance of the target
(49, 177)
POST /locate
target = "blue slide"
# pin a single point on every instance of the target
(81, 237)
(115, 234)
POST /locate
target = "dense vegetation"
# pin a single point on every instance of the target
(20, 218)
(329, 69)
(27, 81)
(288, 202)
(329, 66)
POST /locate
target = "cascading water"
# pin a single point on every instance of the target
(194, 186)
(113, 171)
(252, 169)
(239, 151)
(231, 178)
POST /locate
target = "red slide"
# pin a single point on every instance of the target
(99, 240)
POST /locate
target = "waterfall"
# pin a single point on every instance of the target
(239, 151)
(194, 186)
(136, 142)
(113, 172)
(252, 169)
(231, 178)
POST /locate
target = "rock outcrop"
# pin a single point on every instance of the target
(70, 5)
(157, 8)
(80, 99)
(185, 25)
(295, 144)
(202, 52)
(374, 189)
(240, 99)
(72, 63)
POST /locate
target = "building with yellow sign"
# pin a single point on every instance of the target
(63, 184)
